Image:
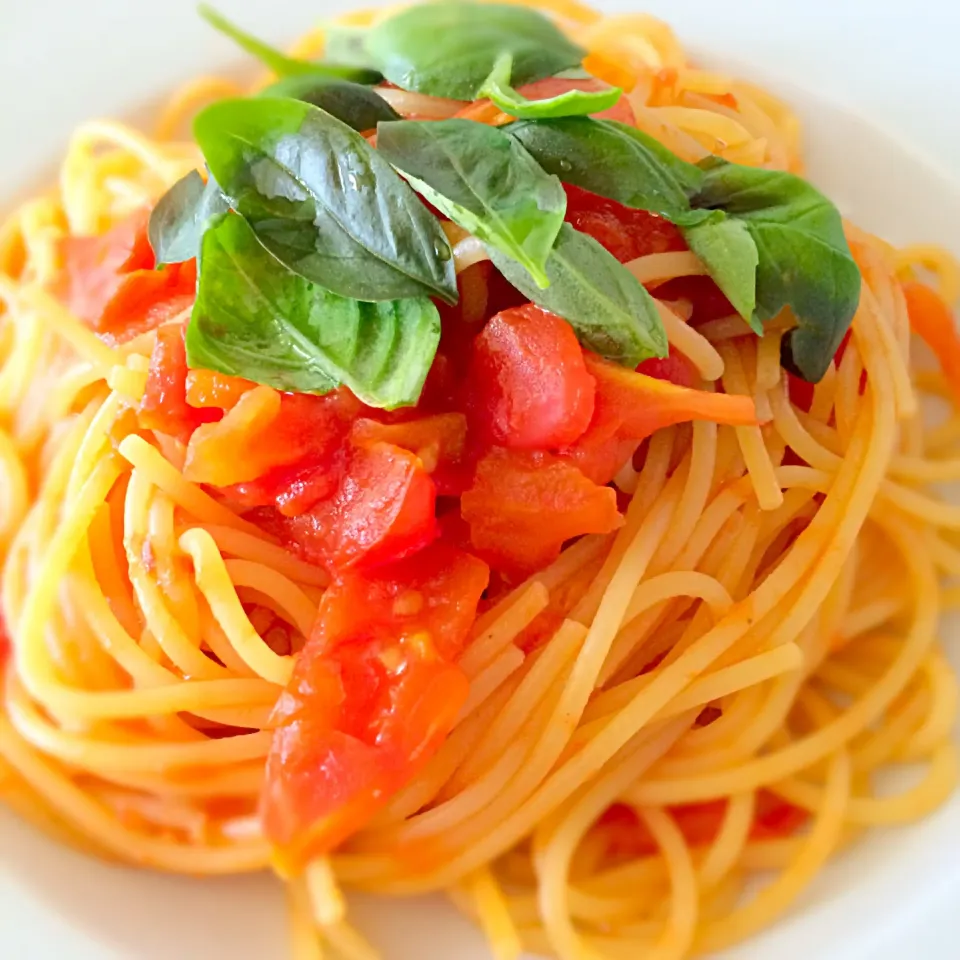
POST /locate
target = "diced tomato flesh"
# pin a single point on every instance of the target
(110, 283)
(527, 385)
(674, 367)
(373, 695)
(623, 231)
(522, 507)
(209, 388)
(164, 406)
(383, 509)
(439, 441)
(700, 823)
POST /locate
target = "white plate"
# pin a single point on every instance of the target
(62, 61)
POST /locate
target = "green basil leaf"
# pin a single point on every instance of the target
(253, 318)
(605, 304)
(804, 260)
(449, 49)
(570, 103)
(484, 181)
(612, 160)
(728, 251)
(359, 107)
(182, 214)
(347, 45)
(278, 62)
(323, 202)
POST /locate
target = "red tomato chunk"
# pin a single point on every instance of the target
(373, 695)
(528, 386)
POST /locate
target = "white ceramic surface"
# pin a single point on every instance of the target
(62, 61)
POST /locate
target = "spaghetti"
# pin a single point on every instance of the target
(667, 710)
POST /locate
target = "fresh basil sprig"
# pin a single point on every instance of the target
(278, 62)
(804, 259)
(449, 49)
(484, 181)
(570, 103)
(605, 304)
(359, 107)
(323, 202)
(182, 214)
(255, 319)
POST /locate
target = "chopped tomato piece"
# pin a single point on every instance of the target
(265, 430)
(383, 509)
(674, 367)
(527, 385)
(705, 297)
(439, 441)
(299, 456)
(208, 388)
(164, 406)
(373, 695)
(625, 232)
(147, 298)
(110, 283)
(641, 405)
(700, 823)
(933, 321)
(522, 507)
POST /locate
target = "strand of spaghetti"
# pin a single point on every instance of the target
(760, 469)
(554, 841)
(300, 610)
(731, 838)
(214, 582)
(494, 915)
(189, 496)
(775, 898)
(921, 799)
(488, 644)
(491, 678)
(91, 818)
(691, 343)
(680, 928)
(654, 268)
(55, 316)
(246, 546)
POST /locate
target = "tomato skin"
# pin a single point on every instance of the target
(209, 388)
(110, 283)
(550, 87)
(522, 507)
(527, 385)
(623, 231)
(373, 695)
(383, 509)
(164, 406)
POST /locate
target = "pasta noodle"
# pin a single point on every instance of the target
(762, 629)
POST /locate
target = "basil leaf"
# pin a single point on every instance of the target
(484, 181)
(253, 318)
(570, 103)
(347, 45)
(357, 106)
(728, 251)
(605, 304)
(181, 216)
(612, 160)
(804, 260)
(275, 60)
(449, 49)
(323, 202)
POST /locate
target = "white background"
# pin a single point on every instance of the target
(63, 61)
